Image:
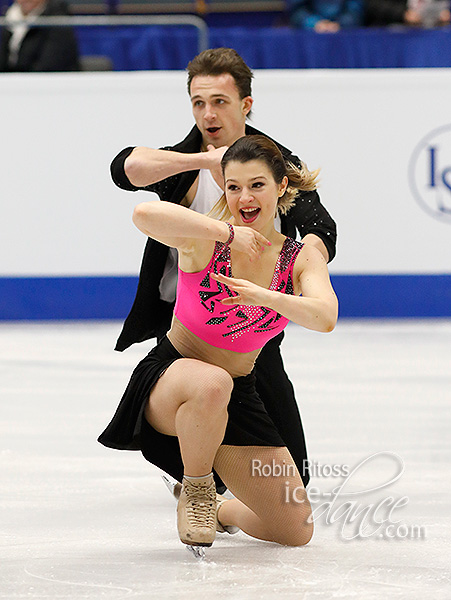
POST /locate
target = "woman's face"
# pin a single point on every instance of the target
(252, 193)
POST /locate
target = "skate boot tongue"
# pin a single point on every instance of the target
(175, 488)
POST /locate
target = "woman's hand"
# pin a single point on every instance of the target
(249, 241)
(248, 293)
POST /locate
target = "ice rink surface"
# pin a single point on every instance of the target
(81, 521)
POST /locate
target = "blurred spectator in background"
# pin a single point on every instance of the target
(326, 16)
(26, 48)
(414, 13)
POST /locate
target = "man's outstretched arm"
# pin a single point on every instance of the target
(145, 166)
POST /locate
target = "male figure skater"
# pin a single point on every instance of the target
(219, 85)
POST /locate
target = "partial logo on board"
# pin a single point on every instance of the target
(430, 173)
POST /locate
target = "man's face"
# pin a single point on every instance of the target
(219, 111)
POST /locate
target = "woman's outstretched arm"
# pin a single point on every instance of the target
(316, 309)
(177, 226)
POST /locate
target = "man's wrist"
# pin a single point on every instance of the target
(200, 160)
(192, 161)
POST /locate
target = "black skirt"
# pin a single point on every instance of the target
(248, 425)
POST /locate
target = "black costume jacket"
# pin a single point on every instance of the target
(149, 314)
(43, 49)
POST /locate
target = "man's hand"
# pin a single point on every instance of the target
(214, 156)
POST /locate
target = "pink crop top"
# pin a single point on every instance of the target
(240, 328)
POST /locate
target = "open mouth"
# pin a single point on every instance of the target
(249, 214)
(213, 130)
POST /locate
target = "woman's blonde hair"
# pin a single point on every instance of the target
(259, 147)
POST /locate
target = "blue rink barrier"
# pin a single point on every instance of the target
(81, 298)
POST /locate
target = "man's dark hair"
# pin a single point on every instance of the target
(218, 61)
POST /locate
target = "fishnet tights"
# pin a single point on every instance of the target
(273, 507)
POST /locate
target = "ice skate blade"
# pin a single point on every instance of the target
(197, 551)
(173, 486)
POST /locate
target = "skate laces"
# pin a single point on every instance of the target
(200, 504)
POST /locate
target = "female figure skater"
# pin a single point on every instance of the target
(193, 398)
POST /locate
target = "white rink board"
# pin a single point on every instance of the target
(62, 215)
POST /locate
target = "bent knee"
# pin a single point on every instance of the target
(299, 536)
(297, 530)
(216, 388)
